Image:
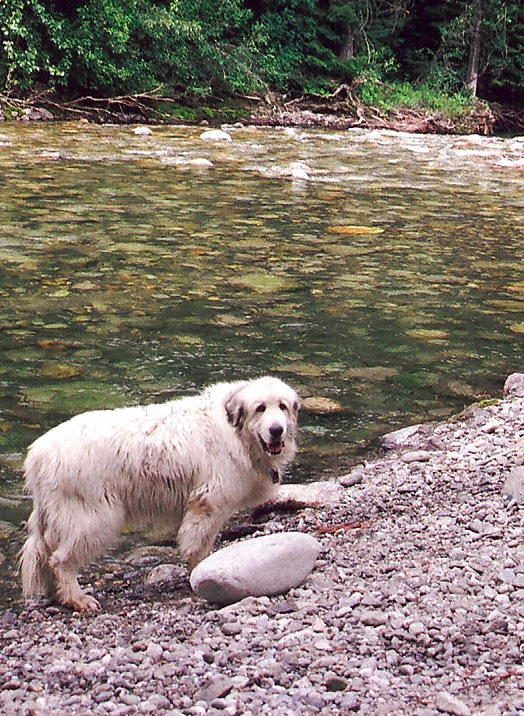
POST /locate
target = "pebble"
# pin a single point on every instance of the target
(415, 605)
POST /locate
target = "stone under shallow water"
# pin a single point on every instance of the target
(262, 566)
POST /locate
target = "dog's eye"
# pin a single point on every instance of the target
(283, 406)
(261, 408)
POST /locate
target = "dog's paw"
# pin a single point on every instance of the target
(83, 603)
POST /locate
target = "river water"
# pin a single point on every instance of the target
(389, 282)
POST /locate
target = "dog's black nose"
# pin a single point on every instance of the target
(276, 431)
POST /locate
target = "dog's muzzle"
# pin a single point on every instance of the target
(272, 448)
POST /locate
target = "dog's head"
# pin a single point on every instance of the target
(264, 411)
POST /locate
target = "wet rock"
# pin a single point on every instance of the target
(215, 135)
(267, 565)
(200, 162)
(142, 131)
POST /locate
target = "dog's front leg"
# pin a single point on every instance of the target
(200, 525)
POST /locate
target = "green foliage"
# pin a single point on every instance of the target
(423, 96)
(201, 48)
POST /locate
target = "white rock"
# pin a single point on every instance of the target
(513, 487)
(200, 162)
(142, 131)
(514, 385)
(215, 135)
(451, 704)
(401, 437)
(267, 565)
(416, 456)
(300, 174)
(314, 494)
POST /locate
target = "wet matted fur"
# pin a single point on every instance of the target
(190, 463)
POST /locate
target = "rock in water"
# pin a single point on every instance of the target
(215, 135)
(262, 566)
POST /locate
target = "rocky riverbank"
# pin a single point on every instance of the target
(415, 605)
(341, 110)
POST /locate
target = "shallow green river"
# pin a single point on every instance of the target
(390, 282)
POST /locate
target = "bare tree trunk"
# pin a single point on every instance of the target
(472, 69)
(349, 46)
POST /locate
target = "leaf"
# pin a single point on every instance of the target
(355, 230)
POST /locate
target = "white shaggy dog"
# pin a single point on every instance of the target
(190, 463)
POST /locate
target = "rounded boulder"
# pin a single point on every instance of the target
(262, 566)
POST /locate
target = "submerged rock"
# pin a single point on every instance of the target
(267, 565)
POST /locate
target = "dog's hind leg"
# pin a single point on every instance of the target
(37, 576)
(83, 536)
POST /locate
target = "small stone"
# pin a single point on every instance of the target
(154, 651)
(350, 702)
(335, 683)
(372, 617)
(400, 438)
(231, 629)
(216, 688)
(416, 628)
(162, 573)
(451, 704)
(353, 478)
(416, 456)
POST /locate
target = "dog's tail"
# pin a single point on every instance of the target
(34, 561)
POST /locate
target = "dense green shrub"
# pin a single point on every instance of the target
(205, 47)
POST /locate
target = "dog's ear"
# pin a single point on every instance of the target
(297, 403)
(235, 406)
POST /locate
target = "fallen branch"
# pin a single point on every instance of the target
(331, 529)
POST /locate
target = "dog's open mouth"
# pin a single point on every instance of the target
(273, 448)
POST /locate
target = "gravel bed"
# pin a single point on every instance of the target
(415, 606)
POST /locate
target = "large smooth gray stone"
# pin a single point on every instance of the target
(261, 566)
